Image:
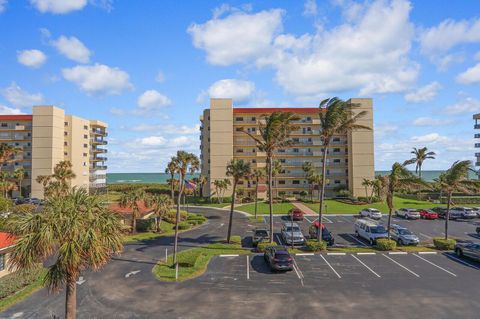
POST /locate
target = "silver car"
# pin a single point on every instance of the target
(408, 213)
(403, 236)
(464, 212)
(471, 250)
(292, 234)
(371, 213)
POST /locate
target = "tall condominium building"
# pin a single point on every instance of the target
(476, 117)
(48, 136)
(350, 157)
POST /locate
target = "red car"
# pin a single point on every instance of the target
(295, 214)
(428, 214)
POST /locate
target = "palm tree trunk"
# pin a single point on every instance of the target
(390, 211)
(256, 198)
(270, 199)
(177, 218)
(447, 215)
(366, 193)
(134, 221)
(71, 298)
(322, 194)
(172, 186)
(420, 171)
(158, 222)
(229, 233)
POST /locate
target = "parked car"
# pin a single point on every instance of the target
(259, 235)
(371, 213)
(292, 234)
(278, 258)
(442, 212)
(295, 214)
(478, 231)
(464, 212)
(408, 213)
(428, 214)
(471, 250)
(476, 210)
(403, 236)
(326, 234)
(370, 230)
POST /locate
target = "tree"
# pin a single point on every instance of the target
(399, 179)
(184, 163)
(336, 117)
(221, 185)
(455, 179)
(7, 154)
(202, 180)
(59, 183)
(237, 169)
(5, 182)
(171, 169)
(274, 134)
(258, 175)
(77, 229)
(161, 205)
(420, 156)
(308, 169)
(132, 200)
(367, 183)
(19, 175)
(276, 169)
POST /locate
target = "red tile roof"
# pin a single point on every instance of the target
(6, 240)
(144, 210)
(276, 109)
(19, 117)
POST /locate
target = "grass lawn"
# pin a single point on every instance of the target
(335, 207)
(23, 292)
(280, 208)
(194, 262)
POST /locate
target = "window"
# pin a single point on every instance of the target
(281, 182)
(85, 154)
(85, 136)
(336, 160)
(65, 153)
(65, 133)
(336, 150)
(84, 163)
(295, 150)
(282, 160)
(337, 181)
(309, 118)
(281, 150)
(254, 161)
(239, 150)
(336, 139)
(239, 129)
(296, 182)
(85, 127)
(85, 145)
(4, 124)
(253, 129)
(65, 143)
(66, 123)
(254, 118)
(239, 119)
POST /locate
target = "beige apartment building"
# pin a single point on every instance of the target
(350, 157)
(49, 136)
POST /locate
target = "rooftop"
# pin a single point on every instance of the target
(16, 117)
(6, 240)
(144, 210)
(276, 109)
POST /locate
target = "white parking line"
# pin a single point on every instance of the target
(233, 255)
(397, 253)
(328, 220)
(336, 273)
(463, 262)
(413, 273)
(428, 261)
(427, 252)
(357, 240)
(248, 268)
(305, 254)
(336, 254)
(298, 271)
(366, 254)
(308, 220)
(279, 241)
(426, 236)
(373, 272)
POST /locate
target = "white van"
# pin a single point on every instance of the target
(370, 230)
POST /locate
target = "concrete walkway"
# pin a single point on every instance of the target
(304, 208)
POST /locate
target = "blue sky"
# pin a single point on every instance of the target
(148, 67)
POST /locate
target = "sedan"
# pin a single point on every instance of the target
(464, 212)
(292, 234)
(295, 214)
(278, 258)
(471, 250)
(371, 213)
(428, 214)
(408, 213)
(403, 236)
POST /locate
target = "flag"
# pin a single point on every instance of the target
(190, 185)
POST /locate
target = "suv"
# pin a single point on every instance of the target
(326, 235)
(371, 213)
(403, 236)
(278, 258)
(408, 213)
(370, 230)
(292, 234)
(463, 212)
(259, 235)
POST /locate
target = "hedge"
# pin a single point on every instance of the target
(184, 225)
(385, 244)
(16, 281)
(145, 225)
(237, 240)
(261, 247)
(444, 244)
(315, 245)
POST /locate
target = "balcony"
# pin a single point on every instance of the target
(477, 145)
(97, 141)
(477, 154)
(98, 185)
(98, 159)
(99, 132)
(476, 126)
(98, 167)
(99, 150)
(259, 165)
(94, 177)
(477, 135)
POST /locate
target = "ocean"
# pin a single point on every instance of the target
(113, 178)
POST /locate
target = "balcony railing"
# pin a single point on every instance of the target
(99, 150)
(477, 144)
(98, 167)
(99, 132)
(99, 141)
(477, 135)
(476, 126)
(98, 185)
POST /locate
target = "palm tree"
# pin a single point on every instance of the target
(455, 179)
(161, 205)
(19, 175)
(420, 156)
(276, 169)
(367, 183)
(336, 117)
(132, 200)
(4, 182)
(274, 134)
(308, 169)
(171, 169)
(184, 163)
(399, 179)
(7, 153)
(238, 169)
(218, 186)
(77, 229)
(202, 180)
(59, 183)
(258, 175)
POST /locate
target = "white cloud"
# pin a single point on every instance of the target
(238, 90)
(467, 105)
(164, 128)
(427, 121)
(3, 4)
(182, 140)
(310, 8)
(429, 138)
(31, 58)
(5, 110)
(98, 78)
(72, 48)
(153, 140)
(160, 77)
(423, 94)
(58, 6)
(477, 56)
(19, 97)
(470, 76)
(152, 100)
(237, 38)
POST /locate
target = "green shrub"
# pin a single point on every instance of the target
(184, 225)
(444, 244)
(24, 208)
(385, 244)
(145, 225)
(14, 282)
(192, 222)
(235, 240)
(315, 245)
(262, 246)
